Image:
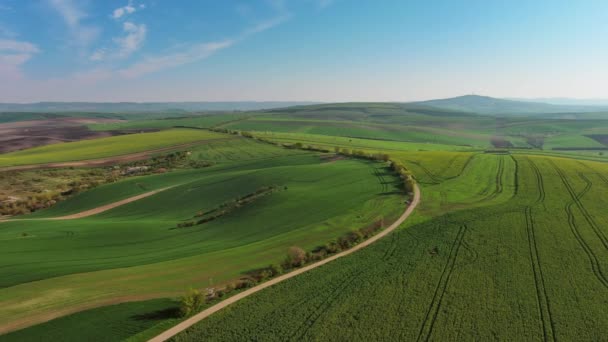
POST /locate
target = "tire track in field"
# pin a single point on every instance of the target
(544, 307)
(599, 174)
(593, 259)
(516, 179)
(539, 183)
(598, 231)
(314, 316)
(498, 188)
(434, 179)
(426, 329)
(464, 167)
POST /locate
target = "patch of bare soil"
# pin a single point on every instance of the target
(500, 142)
(601, 138)
(110, 160)
(26, 134)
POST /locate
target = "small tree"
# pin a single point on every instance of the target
(296, 257)
(191, 302)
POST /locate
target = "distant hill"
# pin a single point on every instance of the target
(490, 105)
(134, 107)
(566, 101)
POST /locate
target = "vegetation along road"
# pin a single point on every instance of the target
(206, 313)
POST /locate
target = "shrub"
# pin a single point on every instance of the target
(296, 257)
(192, 302)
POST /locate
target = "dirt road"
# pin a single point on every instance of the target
(206, 313)
(97, 210)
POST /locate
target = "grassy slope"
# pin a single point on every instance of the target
(324, 200)
(105, 147)
(203, 121)
(110, 323)
(489, 256)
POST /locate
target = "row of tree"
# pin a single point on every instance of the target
(194, 300)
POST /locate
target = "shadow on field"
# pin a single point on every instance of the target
(167, 313)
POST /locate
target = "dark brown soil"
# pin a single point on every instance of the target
(601, 138)
(26, 134)
(500, 142)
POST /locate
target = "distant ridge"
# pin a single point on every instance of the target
(490, 105)
(134, 107)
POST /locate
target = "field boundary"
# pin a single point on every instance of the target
(217, 307)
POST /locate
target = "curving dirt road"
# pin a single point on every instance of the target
(209, 311)
(97, 210)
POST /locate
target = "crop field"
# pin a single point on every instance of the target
(139, 250)
(505, 248)
(106, 147)
(118, 322)
(508, 243)
(202, 121)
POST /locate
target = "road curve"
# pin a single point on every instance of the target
(217, 307)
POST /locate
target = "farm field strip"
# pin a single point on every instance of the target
(168, 259)
(442, 267)
(108, 147)
(204, 314)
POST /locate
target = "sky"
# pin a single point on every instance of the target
(301, 50)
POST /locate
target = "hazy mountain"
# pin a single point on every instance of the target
(567, 101)
(490, 105)
(126, 107)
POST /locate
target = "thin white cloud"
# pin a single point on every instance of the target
(197, 52)
(133, 40)
(17, 46)
(98, 55)
(13, 54)
(158, 63)
(126, 10)
(73, 16)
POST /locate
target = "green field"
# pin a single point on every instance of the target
(111, 323)
(502, 248)
(135, 251)
(106, 147)
(508, 243)
(202, 121)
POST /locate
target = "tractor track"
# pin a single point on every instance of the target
(544, 307)
(593, 259)
(426, 329)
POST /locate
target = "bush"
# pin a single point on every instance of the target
(191, 303)
(296, 257)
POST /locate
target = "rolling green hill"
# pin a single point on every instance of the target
(139, 250)
(506, 248)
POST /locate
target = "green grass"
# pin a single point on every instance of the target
(132, 250)
(503, 249)
(203, 121)
(106, 147)
(364, 130)
(570, 141)
(110, 323)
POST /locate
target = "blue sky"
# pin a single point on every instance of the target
(318, 50)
